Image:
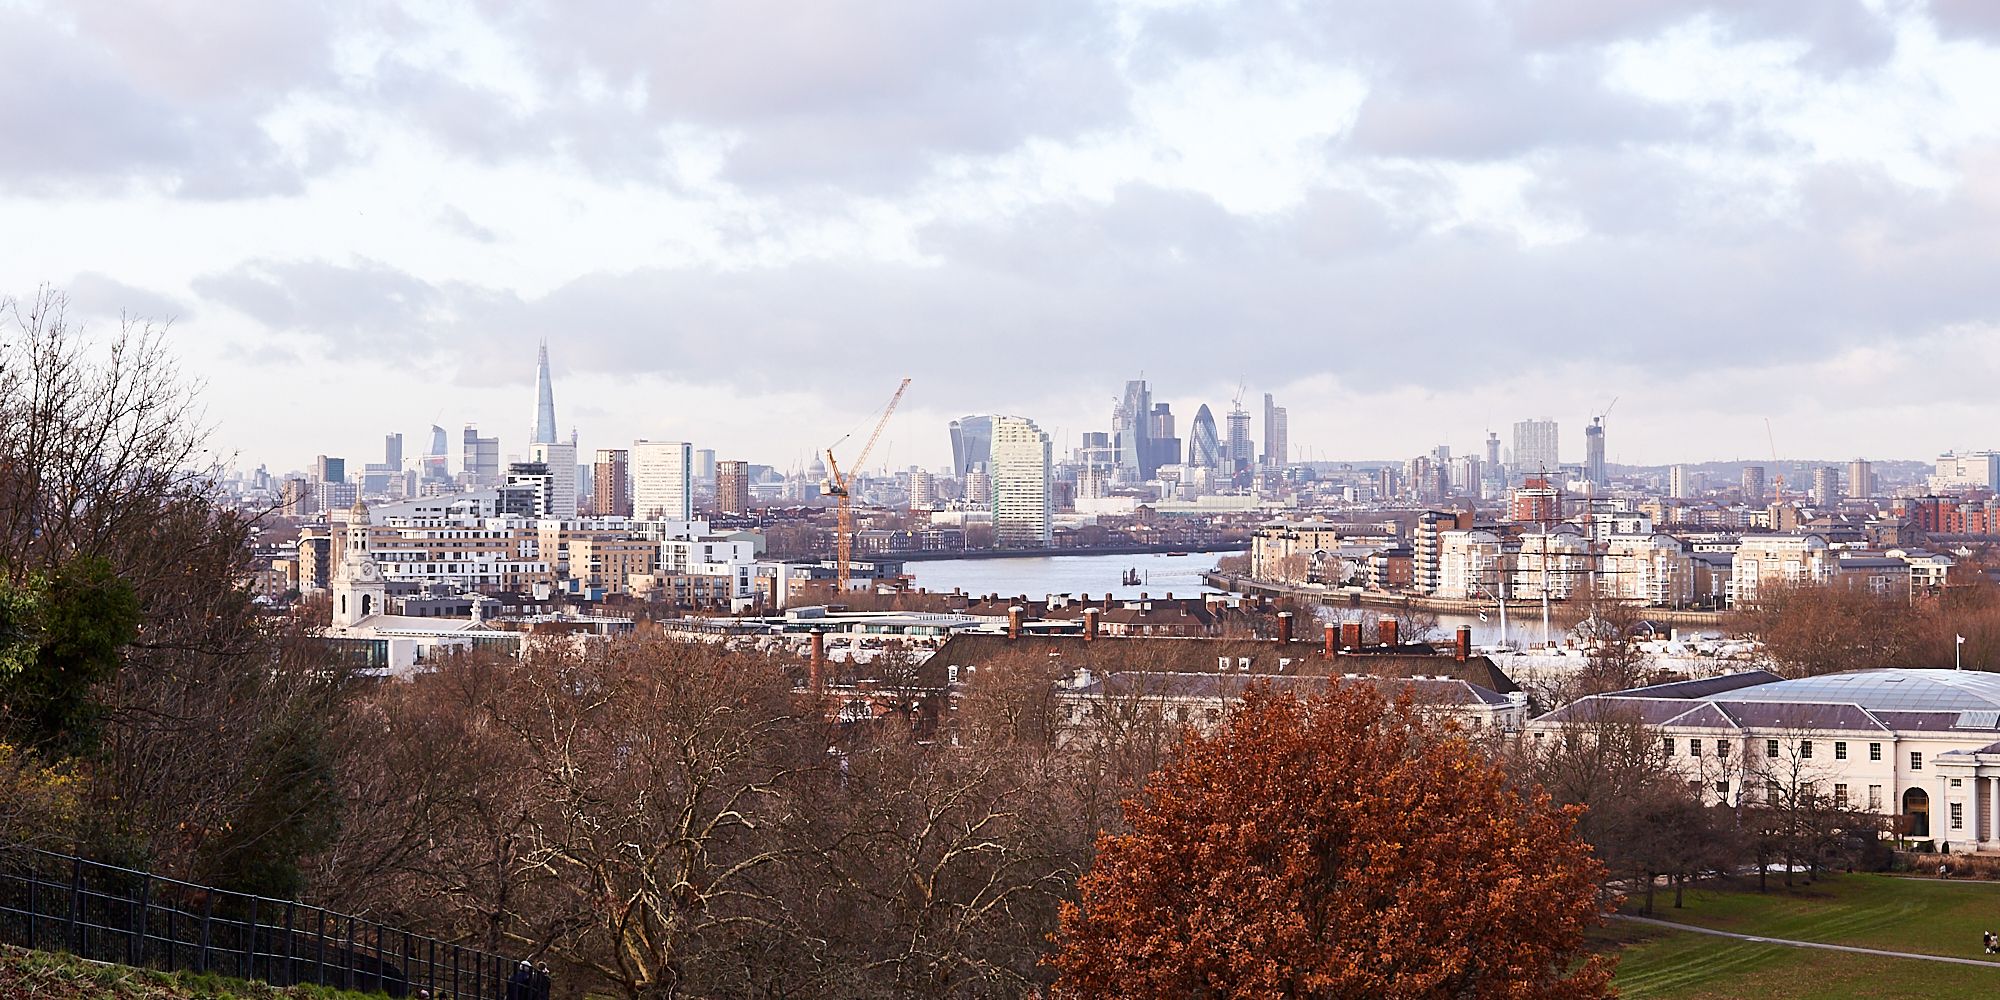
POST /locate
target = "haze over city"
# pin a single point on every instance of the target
(1411, 223)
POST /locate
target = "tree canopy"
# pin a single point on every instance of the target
(1335, 846)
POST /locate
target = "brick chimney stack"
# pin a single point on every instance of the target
(1385, 630)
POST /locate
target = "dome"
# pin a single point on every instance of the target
(1884, 690)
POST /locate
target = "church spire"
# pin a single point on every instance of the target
(545, 400)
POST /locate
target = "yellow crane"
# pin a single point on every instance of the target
(837, 484)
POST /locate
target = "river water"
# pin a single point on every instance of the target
(1097, 575)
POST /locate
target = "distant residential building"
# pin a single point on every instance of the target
(536, 481)
(923, 490)
(1536, 501)
(663, 480)
(1022, 511)
(611, 490)
(732, 487)
(1677, 482)
(560, 458)
(1535, 451)
(1860, 479)
(704, 467)
(1764, 562)
(1826, 486)
(1753, 485)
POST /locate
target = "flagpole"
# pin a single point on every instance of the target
(1958, 652)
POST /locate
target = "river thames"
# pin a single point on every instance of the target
(1180, 575)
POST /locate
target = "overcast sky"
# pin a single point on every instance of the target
(741, 222)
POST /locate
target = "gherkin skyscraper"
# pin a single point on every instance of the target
(1204, 444)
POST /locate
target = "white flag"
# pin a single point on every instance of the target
(1961, 640)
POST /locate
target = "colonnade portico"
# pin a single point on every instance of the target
(1976, 793)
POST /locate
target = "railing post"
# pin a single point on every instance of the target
(347, 959)
(454, 972)
(291, 972)
(173, 943)
(250, 943)
(207, 921)
(319, 946)
(431, 966)
(34, 900)
(136, 939)
(70, 932)
(381, 985)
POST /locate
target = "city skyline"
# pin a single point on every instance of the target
(1106, 189)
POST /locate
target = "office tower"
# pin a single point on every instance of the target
(1492, 452)
(480, 459)
(1130, 422)
(1753, 484)
(1593, 453)
(329, 470)
(1678, 486)
(704, 466)
(1860, 479)
(611, 489)
(1973, 470)
(1242, 452)
(1163, 446)
(298, 498)
(732, 487)
(1021, 476)
(971, 443)
(1826, 485)
(923, 490)
(437, 460)
(1097, 453)
(545, 400)
(534, 481)
(392, 451)
(663, 480)
(1204, 445)
(1535, 448)
(1277, 435)
(560, 457)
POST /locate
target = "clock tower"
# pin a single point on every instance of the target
(358, 588)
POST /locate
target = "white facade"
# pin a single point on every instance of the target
(663, 480)
(1469, 564)
(1535, 448)
(561, 460)
(1766, 561)
(1971, 471)
(1021, 467)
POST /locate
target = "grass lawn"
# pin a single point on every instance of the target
(1659, 964)
(1872, 911)
(49, 976)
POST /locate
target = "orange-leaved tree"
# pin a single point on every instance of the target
(1335, 846)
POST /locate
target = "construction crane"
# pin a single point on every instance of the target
(837, 484)
(1777, 478)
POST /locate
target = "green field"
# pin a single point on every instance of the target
(1872, 911)
(49, 976)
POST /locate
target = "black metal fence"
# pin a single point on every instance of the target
(57, 902)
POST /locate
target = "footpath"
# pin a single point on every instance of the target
(1759, 939)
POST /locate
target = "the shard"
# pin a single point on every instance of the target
(545, 400)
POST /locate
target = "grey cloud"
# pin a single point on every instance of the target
(454, 219)
(1967, 18)
(366, 307)
(82, 114)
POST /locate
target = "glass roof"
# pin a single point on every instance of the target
(1884, 690)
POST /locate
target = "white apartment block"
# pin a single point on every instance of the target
(663, 480)
(561, 460)
(1021, 471)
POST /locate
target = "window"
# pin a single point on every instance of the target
(1875, 797)
(1805, 749)
(1958, 815)
(1840, 750)
(1669, 744)
(1694, 748)
(1955, 782)
(1839, 796)
(1722, 789)
(1916, 760)
(1770, 748)
(1722, 748)
(1770, 795)
(1874, 751)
